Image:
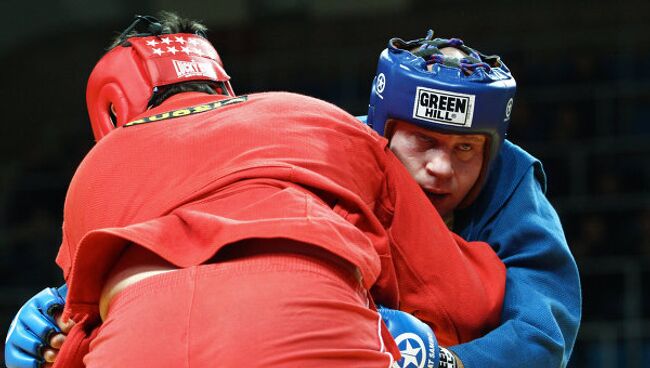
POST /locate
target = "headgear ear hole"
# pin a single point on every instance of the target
(108, 109)
(112, 114)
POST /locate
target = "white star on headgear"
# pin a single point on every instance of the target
(152, 43)
(186, 50)
(180, 40)
(166, 40)
(158, 51)
(172, 50)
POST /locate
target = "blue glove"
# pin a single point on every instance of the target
(32, 327)
(415, 339)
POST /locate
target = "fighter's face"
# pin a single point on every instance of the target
(445, 165)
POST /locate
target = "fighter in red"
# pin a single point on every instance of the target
(204, 225)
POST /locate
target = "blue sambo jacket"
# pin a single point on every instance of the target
(542, 305)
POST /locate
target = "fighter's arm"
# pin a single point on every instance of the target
(542, 303)
(37, 331)
(455, 286)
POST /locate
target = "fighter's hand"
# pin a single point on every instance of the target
(56, 340)
(416, 341)
(36, 333)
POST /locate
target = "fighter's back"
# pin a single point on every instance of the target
(173, 157)
(200, 171)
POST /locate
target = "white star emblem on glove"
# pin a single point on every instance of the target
(410, 355)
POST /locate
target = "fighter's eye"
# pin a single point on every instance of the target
(465, 147)
(423, 138)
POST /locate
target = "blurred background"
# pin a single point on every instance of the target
(583, 107)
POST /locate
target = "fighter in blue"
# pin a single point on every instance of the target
(446, 109)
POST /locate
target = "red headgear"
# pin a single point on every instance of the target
(128, 75)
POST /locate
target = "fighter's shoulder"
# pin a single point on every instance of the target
(283, 97)
(513, 152)
(306, 106)
(514, 163)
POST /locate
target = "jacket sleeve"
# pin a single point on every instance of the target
(542, 304)
(454, 286)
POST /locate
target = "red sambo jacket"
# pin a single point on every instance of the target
(200, 172)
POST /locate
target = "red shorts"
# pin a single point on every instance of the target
(257, 309)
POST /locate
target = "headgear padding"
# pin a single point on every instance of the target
(128, 75)
(472, 95)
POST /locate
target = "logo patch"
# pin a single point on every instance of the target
(381, 85)
(443, 107)
(193, 69)
(509, 109)
(414, 350)
(187, 111)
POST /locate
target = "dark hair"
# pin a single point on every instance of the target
(167, 23)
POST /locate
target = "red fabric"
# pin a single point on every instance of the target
(456, 286)
(279, 165)
(265, 310)
(77, 344)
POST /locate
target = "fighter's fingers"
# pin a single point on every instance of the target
(57, 341)
(49, 355)
(66, 325)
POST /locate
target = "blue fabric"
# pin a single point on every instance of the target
(542, 305)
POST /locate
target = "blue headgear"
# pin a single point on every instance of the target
(472, 95)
